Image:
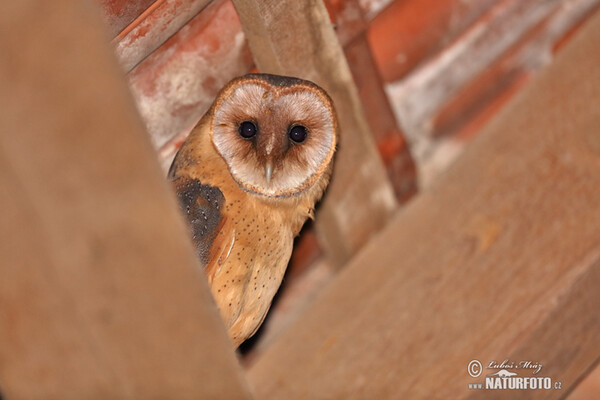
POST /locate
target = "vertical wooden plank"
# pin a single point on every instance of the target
(296, 38)
(390, 140)
(499, 260)
(100, 296)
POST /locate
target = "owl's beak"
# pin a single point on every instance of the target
(268, 170)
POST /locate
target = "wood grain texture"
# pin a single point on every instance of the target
(498, 260)
(296, 38)
(589, 387)
(101, 295)
(118, 14)
(152, 28)
(393, 148)
(566, 342)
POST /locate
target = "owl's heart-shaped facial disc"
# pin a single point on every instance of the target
(277, 135)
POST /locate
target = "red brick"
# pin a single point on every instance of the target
(371, 8)
(493, 99)
(409, 31)
(347, 18)
(176, 84)
(470, 108)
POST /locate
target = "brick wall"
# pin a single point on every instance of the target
(450, 65)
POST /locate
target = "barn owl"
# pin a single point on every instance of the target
(247, 178)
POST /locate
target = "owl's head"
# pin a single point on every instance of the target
(276, 134)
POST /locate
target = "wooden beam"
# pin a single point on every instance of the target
(296, 38)
(500, 259)
(589, 387)
(152, 28)
(118, 14)
(393, 148)
(566, 341)
(101, 295)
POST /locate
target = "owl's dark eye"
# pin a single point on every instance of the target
(247, 129)
(298, 133)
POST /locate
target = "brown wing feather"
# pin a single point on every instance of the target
(220, 248)
(212, 232)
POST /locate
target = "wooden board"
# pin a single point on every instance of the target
(498, 260)
(360, 198)
(393, 148)
(118, 14)
(152, 28)
(589, 387)
(101, 296)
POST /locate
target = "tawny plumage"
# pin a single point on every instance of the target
(247, 178)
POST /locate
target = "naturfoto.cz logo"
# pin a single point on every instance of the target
(506, 377)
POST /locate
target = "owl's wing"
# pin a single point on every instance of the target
(213, 233)
(220, 248)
